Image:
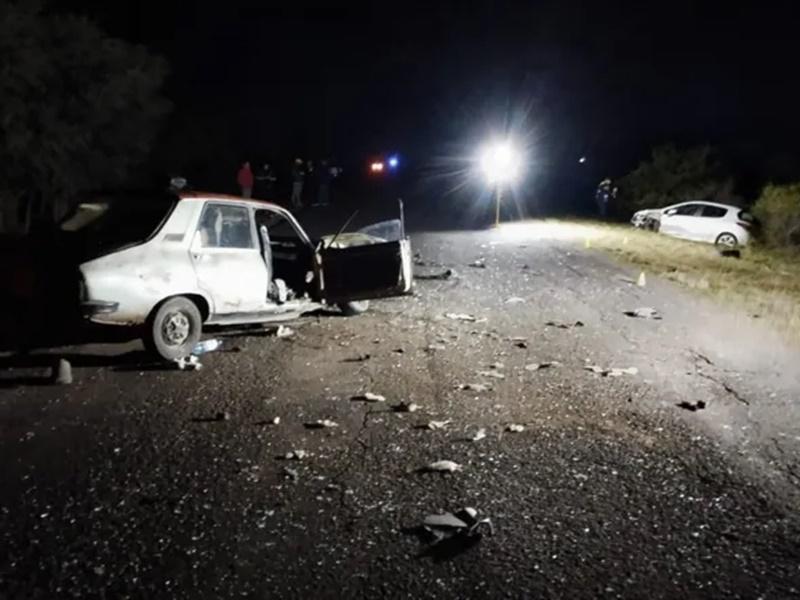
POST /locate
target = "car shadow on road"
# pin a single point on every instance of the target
(37, 369)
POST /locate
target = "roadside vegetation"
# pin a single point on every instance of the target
(764, 281)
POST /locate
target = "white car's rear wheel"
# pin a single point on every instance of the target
(727, 240)
(173, 329)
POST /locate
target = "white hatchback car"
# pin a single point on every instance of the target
(170, 263)
(710, 222)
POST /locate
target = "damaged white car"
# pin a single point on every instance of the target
(172, 263)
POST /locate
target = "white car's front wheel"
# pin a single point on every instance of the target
(727, 240)
(174, 328)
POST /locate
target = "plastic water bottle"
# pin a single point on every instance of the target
(206, 346)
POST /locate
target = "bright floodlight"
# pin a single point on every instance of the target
(501, 163)
(393, 162)
(376, 167)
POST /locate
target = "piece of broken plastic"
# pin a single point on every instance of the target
(188, 363)
(434, 425)
(444, 466)
(475, 387)
(445, 520)
(321, 424)
(542, 365)
(369, 397)
(461, 317)
(493, 374)
(479, 435)
(645, 312)
(514, 428)
(296, 455)
(515, 300)
(406, 407)
(283, 331)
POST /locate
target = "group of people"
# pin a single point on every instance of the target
(310, 183)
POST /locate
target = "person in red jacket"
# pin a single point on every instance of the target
(245, 180)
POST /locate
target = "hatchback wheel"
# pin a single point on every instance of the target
(727, 240)
(173, 329)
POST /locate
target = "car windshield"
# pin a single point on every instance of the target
(109, 222)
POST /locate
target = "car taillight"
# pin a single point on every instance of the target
(745, 225)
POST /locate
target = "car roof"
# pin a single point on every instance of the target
(192, 195)
(706, 202)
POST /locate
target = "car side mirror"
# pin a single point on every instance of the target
(671, 212)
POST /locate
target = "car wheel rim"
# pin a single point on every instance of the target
(175, 329)
(727, 240)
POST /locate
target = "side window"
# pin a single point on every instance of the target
(688, 210)
(223, 226)
(713, 211)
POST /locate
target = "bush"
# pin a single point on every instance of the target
(778, 210)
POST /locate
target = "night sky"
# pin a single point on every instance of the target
(605, 80)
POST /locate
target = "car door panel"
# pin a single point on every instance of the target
(366, 271)
(234, 277)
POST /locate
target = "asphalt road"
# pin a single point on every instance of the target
(132, 483)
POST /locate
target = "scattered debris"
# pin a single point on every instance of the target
(478, 263)
(494, 374)
(644, 312)
(543, 365)
(434, 347)
(447, 535)
(223, 416)
(63, 372)
(398, 351)
(358, 358)
(479, 435)
(474, 387)
(564, 325)
(296, 455)
(443, 466)
(369, 397)
(291, 473)
(189, 363)
(462, 317)
(517, 339)
(283, 331)
(514, 428)
(521, 344)
(642, 281)
(406, 407)
(206, 346)
(515, 300)
(692, 406)
(611, 372)
(447, 274)
(321, 424)
(276, 421)
(496, 365)
(436, 425)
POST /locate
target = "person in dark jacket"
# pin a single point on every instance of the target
(298, 178)
(265, 178)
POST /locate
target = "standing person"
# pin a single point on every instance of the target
(266, 181)
(602, 197)
(324, 177)
(298, 177)
(245, 180)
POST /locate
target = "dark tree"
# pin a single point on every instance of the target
(78, 109)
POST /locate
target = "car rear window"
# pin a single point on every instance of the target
(746, 217)
(108, 222)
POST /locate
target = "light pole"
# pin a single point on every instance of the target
(501, 164)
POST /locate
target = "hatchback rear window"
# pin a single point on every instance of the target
(713, 211)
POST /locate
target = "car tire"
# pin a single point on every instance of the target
(727, 240)
(357, 307)
(173, 328)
